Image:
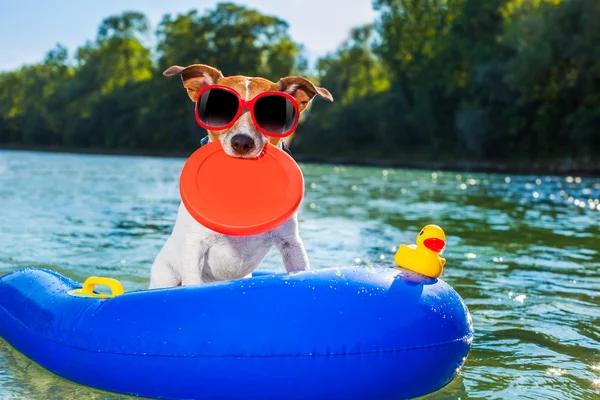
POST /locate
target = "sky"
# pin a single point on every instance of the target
(29, 28)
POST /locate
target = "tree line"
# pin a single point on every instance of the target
(428, 79)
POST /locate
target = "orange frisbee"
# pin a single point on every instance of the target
(240, 196)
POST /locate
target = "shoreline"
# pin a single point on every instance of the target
(559, 169)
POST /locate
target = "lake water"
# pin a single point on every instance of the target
(523, 251)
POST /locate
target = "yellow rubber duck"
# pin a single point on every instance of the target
(423, 257)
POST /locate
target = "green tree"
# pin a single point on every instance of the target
(28, 100)
(357, 79)
(108, 72)
(354, 71)
(555, 71)
(429, 79)
(235, 39)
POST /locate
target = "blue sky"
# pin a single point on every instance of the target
(29, 28)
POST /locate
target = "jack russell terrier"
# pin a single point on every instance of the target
(244, 114)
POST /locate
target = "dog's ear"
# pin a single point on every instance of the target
(302, 90)
(195, 77)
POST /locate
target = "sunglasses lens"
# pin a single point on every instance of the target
(217, 107)
(275, 114)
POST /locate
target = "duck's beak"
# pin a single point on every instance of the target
(434, 244)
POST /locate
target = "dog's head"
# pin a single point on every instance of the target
(243, 138)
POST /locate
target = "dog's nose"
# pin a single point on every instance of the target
(242, 144)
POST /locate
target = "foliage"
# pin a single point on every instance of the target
(472, 79)
(114, 95)
(496, 79)
(238, 40)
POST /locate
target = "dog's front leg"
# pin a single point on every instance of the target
(289, 244)
(194, 250)
(293, 253)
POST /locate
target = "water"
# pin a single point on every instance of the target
(523, 251)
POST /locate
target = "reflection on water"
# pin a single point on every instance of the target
(523, 251)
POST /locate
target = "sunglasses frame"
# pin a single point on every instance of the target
(244, 104)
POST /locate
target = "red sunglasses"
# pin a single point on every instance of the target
(274, 113)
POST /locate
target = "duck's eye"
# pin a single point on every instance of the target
(422, 232)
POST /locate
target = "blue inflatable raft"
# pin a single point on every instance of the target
(341, 333)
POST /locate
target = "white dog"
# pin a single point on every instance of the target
(194, 254)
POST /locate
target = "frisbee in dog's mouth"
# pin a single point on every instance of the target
(241, 196)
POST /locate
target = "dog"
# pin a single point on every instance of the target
(194, 254)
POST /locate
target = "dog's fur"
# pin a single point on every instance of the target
(193, 254)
